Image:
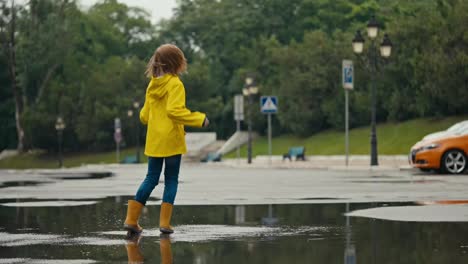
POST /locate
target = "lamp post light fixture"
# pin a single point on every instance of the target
(358, 43)
(372, 28)
(60, 126)
(250, 90)
(136, 105)
(386, 47)
(385, 52)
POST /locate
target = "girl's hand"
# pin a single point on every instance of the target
(206, 122)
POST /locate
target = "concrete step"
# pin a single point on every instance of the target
(237, 139)
(213, 147)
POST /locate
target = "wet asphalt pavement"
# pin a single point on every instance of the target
(311, 225)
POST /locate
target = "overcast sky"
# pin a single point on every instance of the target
(157, 8)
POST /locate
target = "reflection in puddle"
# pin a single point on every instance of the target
(78, 175)
(429, 213)
(49, 203)
(14, 240)
(291, 233)
(350, 249)
(135, 255)
(446, 202)
(9, 184)
(29, 239)
(45, 261)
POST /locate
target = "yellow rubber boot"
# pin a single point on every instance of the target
(165, 218)
(133, 213)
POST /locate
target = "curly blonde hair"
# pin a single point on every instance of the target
(167, 58)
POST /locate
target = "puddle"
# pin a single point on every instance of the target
(49, 203)
(377, 177)
(207, 233)
(399, 181)
(317, 198)
(384, 177)
(290, 233)
(46, 261)
(78, 175)
(11, 240)
(9, 184)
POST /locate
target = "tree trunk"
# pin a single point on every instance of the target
(14, 84)
(46, 80)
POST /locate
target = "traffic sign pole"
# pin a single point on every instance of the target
(117, 137)
(347, 126)
(238, 117)
(269, 137)
(118, 152)
(269, 106)
(348, 84)
(238, 140)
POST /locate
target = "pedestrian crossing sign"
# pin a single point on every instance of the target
(269, 104)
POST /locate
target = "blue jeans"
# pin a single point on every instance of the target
(171, 178)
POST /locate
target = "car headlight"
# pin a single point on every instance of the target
(431, 146)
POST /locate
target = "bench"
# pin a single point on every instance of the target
(298, 152)
(212, 156)
(129, 159)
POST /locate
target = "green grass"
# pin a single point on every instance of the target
(45, 161)
(393, 139)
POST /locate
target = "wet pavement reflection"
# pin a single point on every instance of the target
(8, 184)
(90, 232)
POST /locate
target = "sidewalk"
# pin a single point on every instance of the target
(323, 162)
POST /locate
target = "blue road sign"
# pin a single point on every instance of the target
(269, 104)
(348, 74)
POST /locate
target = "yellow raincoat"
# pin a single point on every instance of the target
(165, 114)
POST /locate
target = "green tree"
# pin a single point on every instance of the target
(8, 32)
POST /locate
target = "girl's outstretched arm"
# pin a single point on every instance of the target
(177, 111)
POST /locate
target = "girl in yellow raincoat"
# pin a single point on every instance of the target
(165, 114)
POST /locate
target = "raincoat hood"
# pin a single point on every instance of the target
(158, 85)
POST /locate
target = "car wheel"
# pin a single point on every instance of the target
(454, 162)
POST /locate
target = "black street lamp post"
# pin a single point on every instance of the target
(385, 52)
(250, 90)
(60, 126)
